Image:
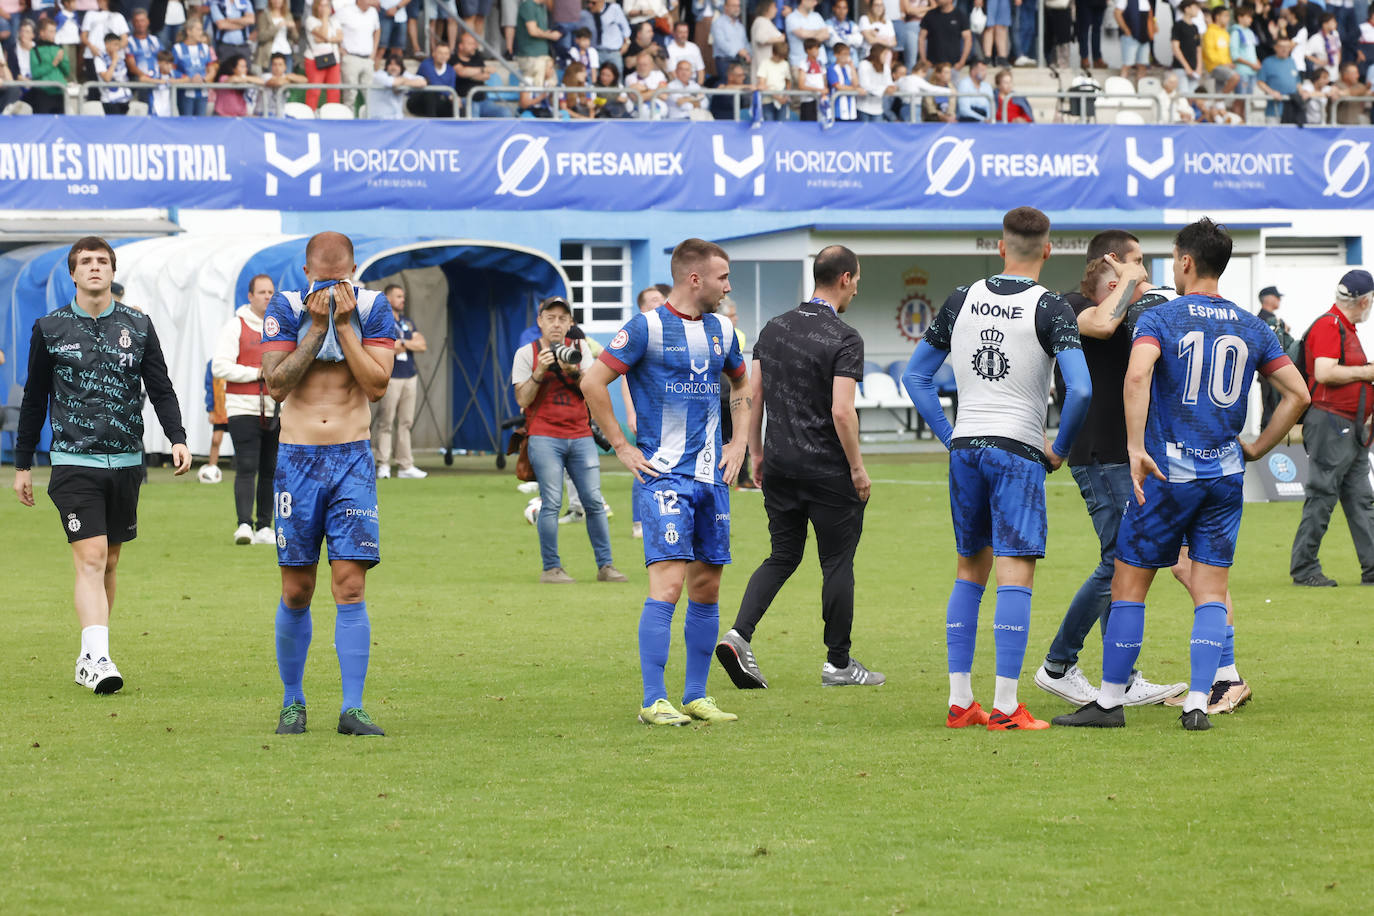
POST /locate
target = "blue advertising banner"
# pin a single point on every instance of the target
(85, 162)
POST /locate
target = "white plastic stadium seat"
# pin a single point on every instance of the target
(298, 110)
(1149, 85)
(1118, 95)
(335, 111)
(89, 107)
(880, 387)
(1129, 117)
(138, 109)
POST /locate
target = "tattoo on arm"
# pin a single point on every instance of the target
(284, 373)
(744, 399)
(1127, 294)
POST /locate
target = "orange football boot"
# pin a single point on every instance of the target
(1021, 720)
(959, 717)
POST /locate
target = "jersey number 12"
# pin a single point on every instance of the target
(1229, 355)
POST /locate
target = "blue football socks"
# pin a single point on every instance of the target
(1228, 648)
(699, 631)
(1205, 647)
(961, 625)
(293, 645)
(1121, 645)
(353, 643)
(655, 630)
(1011, 629)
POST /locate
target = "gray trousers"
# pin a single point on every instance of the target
(1338, 470)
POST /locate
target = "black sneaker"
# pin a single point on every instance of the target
(1320, 580)
(292, 721)
(1195, 720)
(1093, 716)
(737, 658)
(356, 722)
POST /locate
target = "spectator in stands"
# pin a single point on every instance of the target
(611, 106)
(1216, 52)
(539, 104)
(442, 16)
(904, 31)
(361, 33)
(610, 32)
(945, 36)
(1307, 17)
(435, 71)
(1323, 49)
(472, 69)
(160, 102)
(1023, 46)
(1364, 50)
(1278, 79)
(843, 30)
(976, 100)
(1058, 33)
(646, 78)
(48, 61)
(842, 80)
(10, 95)
(774, 75)
(1315, 93)
(680, 49)
(1088, 24)
(1008, 108)
(644, 40)
(195, 62)
(386, 100)
(683, 92)
(534, 41)
(875, 79)
(322, 51)
(69, 37)
(110, 68)
(1187, 47)
(937, 107)
(658, 13)
(565, 15)
(582, 51)
(95, 25)
(275, 85)
(997, 32)
(18, 62)
(276, 34)
(1176, 108)
(392, 18)
(722, 107)
(1245, 51)
(140, 55)
(811, 75)
(1135, 19)
(173, 20)
(729, 41)
(236, 103)
(1350, 87)
(575, 106)
(231, 20)
(763, 34)
(803, 23)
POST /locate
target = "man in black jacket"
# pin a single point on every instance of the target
(87, 361)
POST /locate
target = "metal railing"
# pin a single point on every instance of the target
(83, 90)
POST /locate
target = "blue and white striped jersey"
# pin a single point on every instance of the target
(673, 364)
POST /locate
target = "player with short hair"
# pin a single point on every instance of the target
(327, 352)
(1185, 396)
(1005, 334)
(673, 357)
(88, 362)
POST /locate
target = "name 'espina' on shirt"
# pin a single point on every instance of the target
(1211, 311)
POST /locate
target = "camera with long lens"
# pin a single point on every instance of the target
(567, 353)
(598, 436)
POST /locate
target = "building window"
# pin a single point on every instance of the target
(599, 277)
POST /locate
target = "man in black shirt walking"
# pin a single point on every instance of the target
(807, 364)
(91, 357)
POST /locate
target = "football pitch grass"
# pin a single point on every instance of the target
(515, 777)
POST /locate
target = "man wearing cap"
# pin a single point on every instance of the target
(546, 374)
(1335, 433)
(1269, 299)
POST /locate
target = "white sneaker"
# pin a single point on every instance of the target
(1073, 687)
(529, 486)
(383, 471)
(1140, 692)
(572, 518)
(532, 510)
(411, 473)
(639, 530)
(243, 534)
(105, 677)
(1024, 61)
(85, 666)
(264, 536)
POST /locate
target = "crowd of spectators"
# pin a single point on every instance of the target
(842, 60)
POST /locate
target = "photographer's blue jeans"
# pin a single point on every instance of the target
(1106, 488)
(549, 457)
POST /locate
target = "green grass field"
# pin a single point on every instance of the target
(515, 778)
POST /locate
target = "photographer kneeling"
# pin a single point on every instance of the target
(546, 375)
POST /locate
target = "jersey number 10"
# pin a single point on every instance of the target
(1229, 355)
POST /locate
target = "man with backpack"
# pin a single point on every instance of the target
(1336, 432)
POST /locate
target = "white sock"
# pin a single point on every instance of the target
(1111, 695)
(1196, 700)
(961, 689)
(95, 642)
(1229, 673)
(1004, 699)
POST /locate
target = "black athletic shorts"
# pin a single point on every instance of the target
(96, 501)
(220, 427)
